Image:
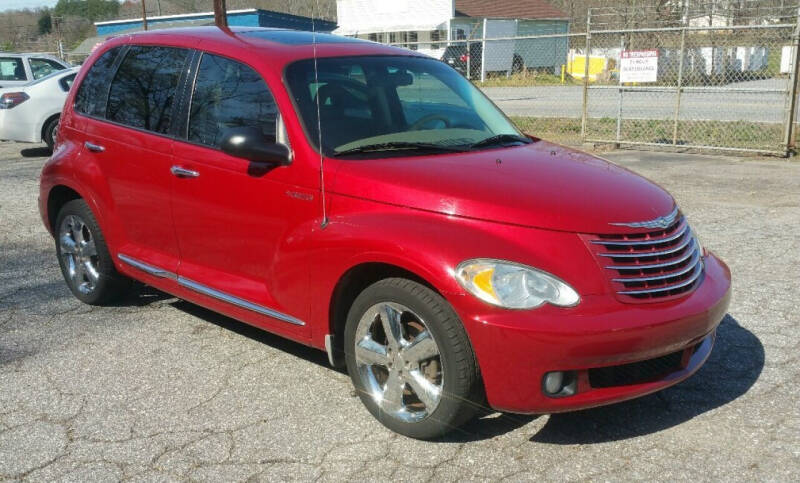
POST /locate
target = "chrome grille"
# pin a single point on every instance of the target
(652, 265)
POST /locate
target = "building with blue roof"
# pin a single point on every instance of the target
(251, 17)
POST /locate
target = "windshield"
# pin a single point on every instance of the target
(392, 104)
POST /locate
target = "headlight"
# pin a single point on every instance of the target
(513, 286)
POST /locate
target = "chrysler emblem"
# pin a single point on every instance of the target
(660, 222)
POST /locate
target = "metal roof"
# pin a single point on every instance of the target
(526, 9)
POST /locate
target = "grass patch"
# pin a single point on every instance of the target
(724, 134)
(562, 130)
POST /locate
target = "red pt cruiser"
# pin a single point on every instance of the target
(370, 201)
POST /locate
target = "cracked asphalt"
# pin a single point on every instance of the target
(159, 389)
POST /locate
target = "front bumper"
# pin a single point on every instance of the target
(515, 349)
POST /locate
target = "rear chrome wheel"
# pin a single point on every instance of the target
(410, 359)
(79, 254)
(398, 361)
(84, 258)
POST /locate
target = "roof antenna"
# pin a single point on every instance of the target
(319, 119)
(220, 14)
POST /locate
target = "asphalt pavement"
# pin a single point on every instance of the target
(739, 101)
(157, 389)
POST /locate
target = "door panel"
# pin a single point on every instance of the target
(242, 231)
(242, 227)
(136, 167)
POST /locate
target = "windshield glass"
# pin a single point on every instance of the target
(391, 104)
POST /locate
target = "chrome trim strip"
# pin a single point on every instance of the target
(688, 281)
(649, 254)
(660, 222)
(200, 288)
(213, 293)
(687, 269)
(688, 255)
(652, 241)
(147, 268)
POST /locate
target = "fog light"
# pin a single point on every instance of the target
(554, 382)
(560, 383)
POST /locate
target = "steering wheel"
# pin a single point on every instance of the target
(419, 123)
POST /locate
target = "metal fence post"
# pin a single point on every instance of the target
(469, 61)
(483, 53)
(789, 131)
(621, 90)
(682, 54)
(586, 74)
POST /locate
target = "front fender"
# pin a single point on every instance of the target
(431, 245)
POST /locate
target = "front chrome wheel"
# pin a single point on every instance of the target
(398, 361)
(79, 254)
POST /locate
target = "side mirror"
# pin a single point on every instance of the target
(249, 143)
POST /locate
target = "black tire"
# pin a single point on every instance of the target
(50, 131)
(110, 284)
(462, 393)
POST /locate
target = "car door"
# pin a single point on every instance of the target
(129, 138)
(240, 224)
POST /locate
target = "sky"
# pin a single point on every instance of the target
(20, 4)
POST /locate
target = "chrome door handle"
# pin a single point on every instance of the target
(183, 172)
(96, 148)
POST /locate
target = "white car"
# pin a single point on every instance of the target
(30, 113)
(18, 69)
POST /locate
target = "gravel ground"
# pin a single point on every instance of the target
(159, 389)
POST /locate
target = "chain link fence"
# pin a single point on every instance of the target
(700, 77)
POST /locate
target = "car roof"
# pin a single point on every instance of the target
(282, 45)
(29, 54)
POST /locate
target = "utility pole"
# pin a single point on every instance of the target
(144, 15)
(220, 14)
(59, 39)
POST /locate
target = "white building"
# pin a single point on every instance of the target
(427, 25)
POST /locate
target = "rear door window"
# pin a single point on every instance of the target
(143, 91)
(44, 67)
(12, 69)
(93, 91)
(229, 94)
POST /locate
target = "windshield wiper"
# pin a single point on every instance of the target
(398, 146)
(499, 139)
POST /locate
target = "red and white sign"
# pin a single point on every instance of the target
(638, 66)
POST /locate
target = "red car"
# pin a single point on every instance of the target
(371, 202)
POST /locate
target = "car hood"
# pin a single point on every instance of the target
(540, 185)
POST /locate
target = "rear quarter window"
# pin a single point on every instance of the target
(66, 82)
(93, 91)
